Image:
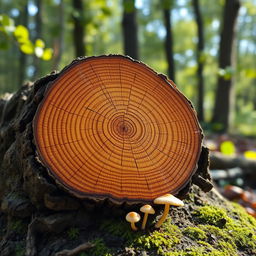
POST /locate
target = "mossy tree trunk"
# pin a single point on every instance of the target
(32, 204)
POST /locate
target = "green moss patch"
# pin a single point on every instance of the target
(230, 231)
(214, 231)
(194, 233)
(99, 249)
(212, 215)
(160, 240)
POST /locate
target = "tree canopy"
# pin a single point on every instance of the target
(44, 32)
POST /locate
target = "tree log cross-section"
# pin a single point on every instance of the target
(109, 127)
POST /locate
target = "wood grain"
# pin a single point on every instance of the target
(111, 127)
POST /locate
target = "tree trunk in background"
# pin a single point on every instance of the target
(130, 29)
(200, 61)
(223, 100)
(38, 35)
(23, 57)
(169, 40)
(78, 32)
(59, 41)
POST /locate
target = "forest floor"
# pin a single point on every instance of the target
(207, 225)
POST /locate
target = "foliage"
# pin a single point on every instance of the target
(227, 148)
(99, 249)
(20, 34)
(119, 229)
(103, 35)
(226, 73)
(250, 154)
(73, 233)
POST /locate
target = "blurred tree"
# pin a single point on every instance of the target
(38, 35)
(130, 29)
(200, 59)
(78, 32)
(167, 6)
(59, 40)
(23, 57)
(224, 92)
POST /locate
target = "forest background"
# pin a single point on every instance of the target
(207, 48)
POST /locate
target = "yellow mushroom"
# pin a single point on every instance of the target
(133, 217)
(147, 209)
(167, 200)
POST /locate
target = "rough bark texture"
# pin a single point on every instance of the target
(130, 29)
(33, 207)
(200, 62)
(169, 44)
(78, 31)
(223, 101)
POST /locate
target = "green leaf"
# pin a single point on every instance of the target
(27, 48)
(250, 154)
(250, 73)
(21, 33)
(227, 148)
(6, 20)
(7, 23)
(39, 43)
(106, 11)
(47, 54)
(226, 73)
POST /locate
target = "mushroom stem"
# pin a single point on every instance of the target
(162, 219)
(133, 226)
(144, 221)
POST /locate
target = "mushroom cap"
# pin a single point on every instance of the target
(147, 209)
(133, 217)
(169, 199)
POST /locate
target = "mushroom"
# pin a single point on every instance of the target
(147, 209)
(167, 200)
(133, 217)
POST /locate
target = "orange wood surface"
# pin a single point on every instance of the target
(110, 127)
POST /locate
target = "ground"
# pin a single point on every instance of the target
(206, 225)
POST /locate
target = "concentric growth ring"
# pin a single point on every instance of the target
(110, 127)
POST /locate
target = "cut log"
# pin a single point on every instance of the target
(104, 127)
(110, 127)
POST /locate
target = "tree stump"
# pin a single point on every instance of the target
(104, 131)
